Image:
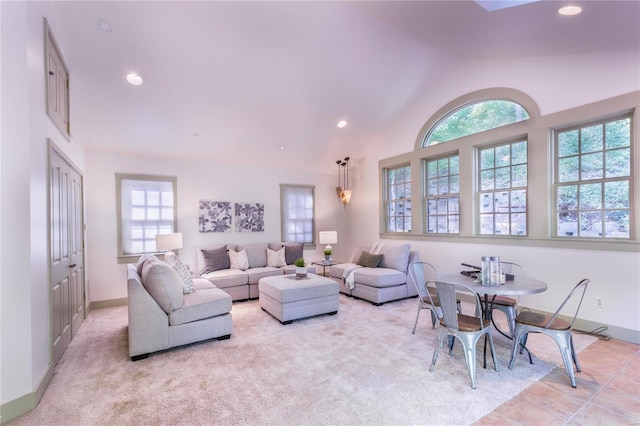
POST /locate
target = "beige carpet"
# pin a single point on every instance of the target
(361, 366)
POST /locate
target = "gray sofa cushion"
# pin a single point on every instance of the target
(267, 271)
(202, 284)
(163, 284)
(227, 278)
(200, 305)
(257, 254)
(395, 256)
(216, 259)
(142, 259)
(369, 260)
(379, 277)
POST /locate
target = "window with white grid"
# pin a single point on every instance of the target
(442, 200)
(146, 208)
(297, 213)
(398, 199)
(593, 180)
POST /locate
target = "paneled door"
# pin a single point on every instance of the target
(67, 253)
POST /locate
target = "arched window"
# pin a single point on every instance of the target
(475, 118)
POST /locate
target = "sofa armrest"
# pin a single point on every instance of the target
(148, 323)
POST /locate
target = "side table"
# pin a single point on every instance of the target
(324, 264)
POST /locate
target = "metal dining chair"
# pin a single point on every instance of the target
(554, 327)
(467, 329)
(505, 304)
(422, 273)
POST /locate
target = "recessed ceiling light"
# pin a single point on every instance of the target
(104, 25)
(569, 10)
(342, 123)
(282, 147)
(134, 79)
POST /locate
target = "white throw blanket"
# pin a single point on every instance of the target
(348, 273)
(350, 270)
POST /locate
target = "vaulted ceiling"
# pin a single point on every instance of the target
(268, 81)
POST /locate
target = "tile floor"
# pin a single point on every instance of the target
(608, 392)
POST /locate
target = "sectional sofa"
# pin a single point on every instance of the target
(163, 314)
(380, 282)
(240, 281)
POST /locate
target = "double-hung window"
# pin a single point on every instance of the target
(146, 206)
(297, 213)
(442, 200)
(398, 199)
(593, 178)
(502, 192)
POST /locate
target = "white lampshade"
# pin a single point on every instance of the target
(169, 241)
(328, 238)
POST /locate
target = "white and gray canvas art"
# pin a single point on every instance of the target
(215, 216)
(249, 217)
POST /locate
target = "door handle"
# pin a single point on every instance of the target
(73, 266)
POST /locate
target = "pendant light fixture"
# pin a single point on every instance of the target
(343, 192)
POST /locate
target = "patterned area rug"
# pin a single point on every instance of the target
(361, 366)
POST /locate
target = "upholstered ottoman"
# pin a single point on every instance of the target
(289, 299)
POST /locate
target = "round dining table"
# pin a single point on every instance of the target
(520, 285)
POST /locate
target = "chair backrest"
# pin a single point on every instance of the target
(582, 285)
(512, 268)
(421, 273)
(448, 302)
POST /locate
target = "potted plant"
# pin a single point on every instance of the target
(327, 255)
(301, 270)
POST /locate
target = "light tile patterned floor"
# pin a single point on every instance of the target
(608, 392)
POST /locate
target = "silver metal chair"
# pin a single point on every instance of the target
(467, 329)
(554, 327)
(508, 305)
(421, 273)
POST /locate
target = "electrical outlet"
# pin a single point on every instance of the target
(599, 302)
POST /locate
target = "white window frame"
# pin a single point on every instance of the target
(538, 131)
(602, 181)
(401, 203)
(494, 192)
(298, 214)
(436, 199)
(124, 184)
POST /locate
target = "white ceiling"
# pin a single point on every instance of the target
(235, 81)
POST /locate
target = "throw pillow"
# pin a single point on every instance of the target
(292, 252)
(163, 284)
(276, 259)
(369, 260)
(142, 259)
(239, 260)
(185, 276)
(215, 260)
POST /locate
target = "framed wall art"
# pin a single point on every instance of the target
(215, 216)
(249, 217)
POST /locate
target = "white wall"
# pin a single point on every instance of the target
(25, 318)
(197, 180)
(555, 84)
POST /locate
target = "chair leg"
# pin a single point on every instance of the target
(514, 347)
(493, 352)
(469, 344)
(434, 318)
(436, 351)
(574, 354)
(417, 316)
(564, 343)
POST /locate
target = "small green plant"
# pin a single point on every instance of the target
(299, 262)
(327, 252)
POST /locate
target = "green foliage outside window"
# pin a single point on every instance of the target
(476, 118)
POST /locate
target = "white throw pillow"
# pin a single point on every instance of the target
(239, 260)
(275, 258)
(185, 275)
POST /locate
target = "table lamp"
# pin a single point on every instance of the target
(169, 242)
(328, 238)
